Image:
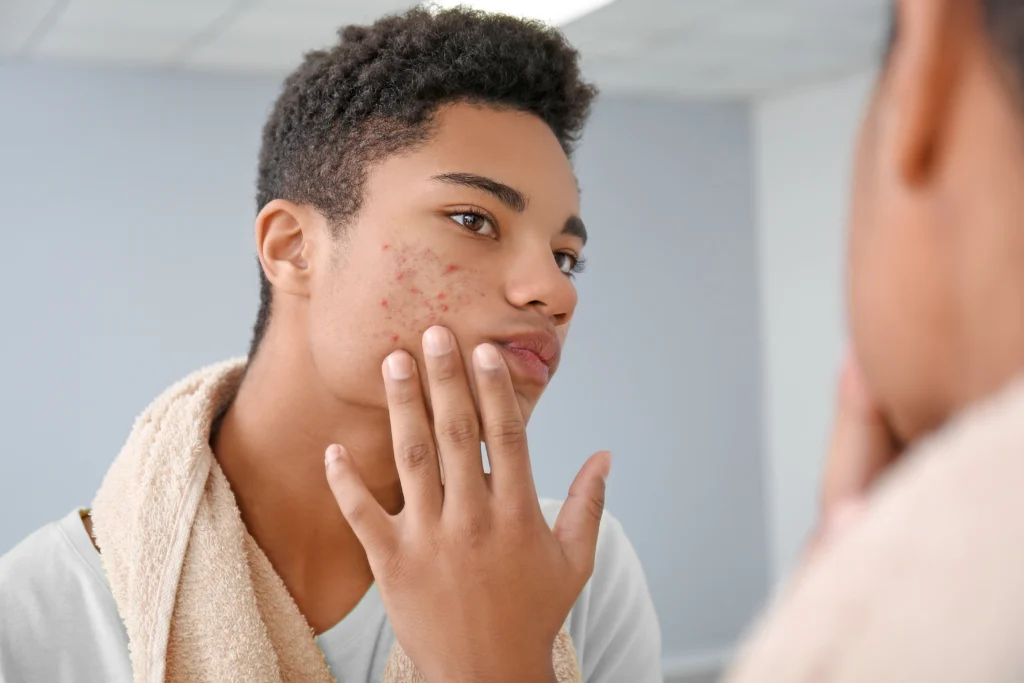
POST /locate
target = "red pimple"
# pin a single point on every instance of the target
(444, 307)
(394, 339)
(400, 276)
(384, 303)
(442, 296)
(451, 269)
(385, 247)
(415, 291)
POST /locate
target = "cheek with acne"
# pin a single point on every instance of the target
(425, 289)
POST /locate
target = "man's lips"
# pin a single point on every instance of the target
(534, 355)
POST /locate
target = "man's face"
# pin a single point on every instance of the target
(935, 267)
(476, 230)
(899, 296)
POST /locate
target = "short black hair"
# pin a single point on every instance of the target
(375, 92)
(1004, 25)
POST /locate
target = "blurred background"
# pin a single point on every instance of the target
(714, 175)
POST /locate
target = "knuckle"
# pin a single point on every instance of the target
(445, 368)
(394, 568)
(518, 515)
(356, 511)
(404, 392)
(508, 433)
(415, 454)
(472, 529)
(595, 506)
(593, 503)
(459, 429)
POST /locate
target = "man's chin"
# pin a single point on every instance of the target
(527, 402)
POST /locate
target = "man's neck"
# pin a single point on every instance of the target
(271, 444)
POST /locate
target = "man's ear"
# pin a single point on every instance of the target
(932, 45)
(285, 238)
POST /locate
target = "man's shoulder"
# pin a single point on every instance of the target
(58, 618)
(613, 623)
(34, 554)
(44, 564)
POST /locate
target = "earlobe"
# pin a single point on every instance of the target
(284, 244)
(925, 66)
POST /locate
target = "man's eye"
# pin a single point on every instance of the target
(474, 222)
(569, 263)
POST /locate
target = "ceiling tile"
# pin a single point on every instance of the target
(130, 30)
(20, 20)
(689, 48)
(274, 34)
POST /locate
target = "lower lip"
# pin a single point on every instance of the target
(526, 364)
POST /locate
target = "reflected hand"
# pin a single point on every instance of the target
(861, 450)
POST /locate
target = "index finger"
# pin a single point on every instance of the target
(503, 426)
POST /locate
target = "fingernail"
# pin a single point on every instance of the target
(607, 470)
(437, 341)
(333, 454)
(399, 365)
(487, 357)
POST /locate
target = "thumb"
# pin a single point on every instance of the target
(580, 519)
(369, 521)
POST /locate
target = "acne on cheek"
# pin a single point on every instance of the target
(424, 289)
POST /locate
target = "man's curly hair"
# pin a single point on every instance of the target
(375, 92)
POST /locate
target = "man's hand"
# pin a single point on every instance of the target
(862, 449)
(475, 583)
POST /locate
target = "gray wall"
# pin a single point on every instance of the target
(662, 365)
(127, 209)
(804, 143)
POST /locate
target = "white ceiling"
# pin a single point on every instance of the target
(689, 48)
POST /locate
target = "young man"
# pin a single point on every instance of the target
(416, 174)
(919, 577)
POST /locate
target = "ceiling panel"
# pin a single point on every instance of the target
(131, 30)
(274, 34)
(23, 20)
(689, 48)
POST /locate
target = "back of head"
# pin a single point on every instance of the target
(374, 94)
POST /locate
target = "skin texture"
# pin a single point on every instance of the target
(342, 304)
(936, 251)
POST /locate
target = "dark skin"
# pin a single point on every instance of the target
(438, 562)
(482, 237)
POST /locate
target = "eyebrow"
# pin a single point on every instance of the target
(574, 226)
(509, 196)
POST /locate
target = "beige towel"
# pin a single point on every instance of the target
(929, 585)
(199, 599)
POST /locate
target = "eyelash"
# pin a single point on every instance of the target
(578, 262)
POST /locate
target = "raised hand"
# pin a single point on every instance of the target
(475, 583)
(861, 450)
